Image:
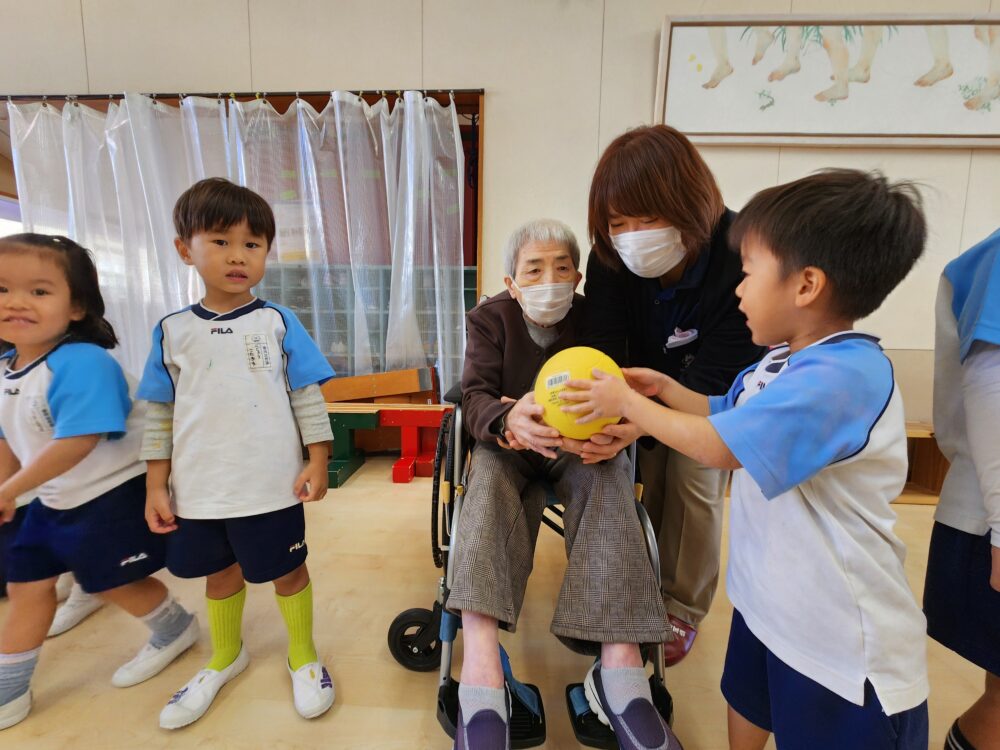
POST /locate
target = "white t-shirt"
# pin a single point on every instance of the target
(814, 566)
(76, 389)
(236, 446)
(967, 389)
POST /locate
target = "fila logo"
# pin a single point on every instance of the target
(133, 559)
(221, 330)
(11, 391)
(297, 545)
(760, 385)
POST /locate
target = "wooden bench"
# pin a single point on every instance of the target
(418, 425)
(928, 465)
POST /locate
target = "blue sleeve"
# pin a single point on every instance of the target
(156, 383)
(718, 404)
(88, 394)
(975, 280)
(820, 410)
(304, 363)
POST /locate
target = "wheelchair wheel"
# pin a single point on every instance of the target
(407, 634)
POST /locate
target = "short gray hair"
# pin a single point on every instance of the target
(539, 230)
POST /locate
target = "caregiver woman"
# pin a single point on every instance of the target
(660, 293)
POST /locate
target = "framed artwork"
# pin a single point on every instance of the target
(903, 81)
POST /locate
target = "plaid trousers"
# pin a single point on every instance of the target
(609, 593)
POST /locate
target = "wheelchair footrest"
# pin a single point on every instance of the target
(527, 729)
(590, 731)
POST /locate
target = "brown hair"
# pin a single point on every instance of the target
(653, 171)
(216, 204)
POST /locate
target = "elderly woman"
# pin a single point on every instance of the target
(661, 284)
(609, 603)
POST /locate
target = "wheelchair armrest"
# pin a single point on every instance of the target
(454, 394)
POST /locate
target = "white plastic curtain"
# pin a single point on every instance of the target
(368, 204)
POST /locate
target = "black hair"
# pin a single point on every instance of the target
(215, 204)
(864, 232)
(81, 275)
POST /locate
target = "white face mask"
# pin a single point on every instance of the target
(546, 304)
(650, 253)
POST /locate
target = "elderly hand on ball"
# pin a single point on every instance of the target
(523, 427)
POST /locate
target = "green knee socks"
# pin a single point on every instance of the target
(225, 620)
(225, 623)
(297, 610)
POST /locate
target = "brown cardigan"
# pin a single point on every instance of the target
(501, 359)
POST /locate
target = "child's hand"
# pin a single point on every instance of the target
(159, 516)
(647, 382)
(604, 396)
(312, 482)
(995, 574)
(8, 507)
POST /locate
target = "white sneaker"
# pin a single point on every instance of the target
(150, 661)
(312, 690)
(78, 607)
(64, 584)
(192, 701)
(14, 712)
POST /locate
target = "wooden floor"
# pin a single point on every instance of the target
(370, 558)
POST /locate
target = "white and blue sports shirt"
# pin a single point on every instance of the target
(814, 566)
(967, 389)
(236, 445)
(76, 389)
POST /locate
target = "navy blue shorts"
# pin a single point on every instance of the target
(804, 715)
(963, 610)
(267, 546)
(105, 542)
(8, 532)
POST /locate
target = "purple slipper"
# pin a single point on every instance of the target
(487, 730)
(638, 727)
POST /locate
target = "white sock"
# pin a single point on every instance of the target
(473, 699)
(167, 622)
(624, 685)
(15, 674)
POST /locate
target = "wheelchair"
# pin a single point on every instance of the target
(421, 639)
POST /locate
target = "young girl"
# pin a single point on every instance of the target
(66, 436)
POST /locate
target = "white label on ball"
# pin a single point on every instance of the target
(558, 379)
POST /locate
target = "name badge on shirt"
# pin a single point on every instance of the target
(258, 352)
(681, 338)
(39, 415)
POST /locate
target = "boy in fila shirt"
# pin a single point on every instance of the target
(233, 385)
(827, 645)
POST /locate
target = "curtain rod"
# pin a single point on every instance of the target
(236, 95)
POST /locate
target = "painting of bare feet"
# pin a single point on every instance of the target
(899, 80)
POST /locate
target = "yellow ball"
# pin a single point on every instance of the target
(575, 363)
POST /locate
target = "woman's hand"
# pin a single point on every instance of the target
(604, 396)
(606, 444)
(524, 428)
